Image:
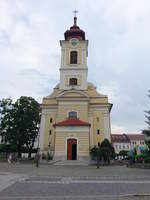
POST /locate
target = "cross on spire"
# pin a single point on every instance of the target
(75, 12)
(75, 17)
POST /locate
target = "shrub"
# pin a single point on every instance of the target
(140, 158)
(147, 160)
(93, 152)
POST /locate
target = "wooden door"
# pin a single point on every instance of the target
(70, 144)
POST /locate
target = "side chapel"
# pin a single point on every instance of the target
(75, 117)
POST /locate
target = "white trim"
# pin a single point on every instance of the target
(91, 131)
(71, 77)
(73, 68)
(49, 108)
(103, 108)
(73, 103)
(71, 50)
(71, 137)
(73, 91)
(107, 130)
(42, 131)
(72, 129)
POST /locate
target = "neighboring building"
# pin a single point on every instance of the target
(120, 142)
(75, 117)
(127, 141)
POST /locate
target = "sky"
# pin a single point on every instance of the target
(118, 56)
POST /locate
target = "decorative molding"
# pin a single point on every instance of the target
(73, 103)
(72, 129)
(82, 93)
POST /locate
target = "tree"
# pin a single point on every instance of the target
(106, 151)
(146, 132)
(5, 112)
(19, 122)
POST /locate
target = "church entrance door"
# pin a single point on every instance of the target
(71, 149)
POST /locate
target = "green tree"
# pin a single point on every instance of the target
(146, 132)
(106, 151)
(19, 122)
(6, 106)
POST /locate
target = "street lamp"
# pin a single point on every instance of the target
(37, 157)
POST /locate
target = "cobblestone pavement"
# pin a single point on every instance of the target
(22, 182)
(69, 190)
(75, 171)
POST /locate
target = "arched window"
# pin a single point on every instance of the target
(73, 81)
(72, 115)
(73, 57)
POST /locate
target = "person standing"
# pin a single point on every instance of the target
(9, 159)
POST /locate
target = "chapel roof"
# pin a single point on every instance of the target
(72, 122)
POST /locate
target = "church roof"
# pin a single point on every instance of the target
(74, 32)
(72, 122)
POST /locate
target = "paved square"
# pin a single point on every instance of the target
(25, 181)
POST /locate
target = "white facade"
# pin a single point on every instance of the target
(79, 70)
(127, 142)
(119, 146)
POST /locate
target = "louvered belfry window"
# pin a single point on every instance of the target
(73, 81)
(73, 57)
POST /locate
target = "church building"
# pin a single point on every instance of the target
(74, 117)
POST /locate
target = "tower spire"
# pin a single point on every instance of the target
(75, 17)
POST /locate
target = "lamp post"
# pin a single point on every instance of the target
(37, 157)
(98, 155)
(49, 151)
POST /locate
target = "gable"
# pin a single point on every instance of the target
(73, 94)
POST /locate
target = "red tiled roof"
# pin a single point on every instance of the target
(126, 137)
(123, 138)
(136, 136)
(72, 122)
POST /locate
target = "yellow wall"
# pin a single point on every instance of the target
(98, 125)
(83, 138)
(63, 110)
(49, 126)
(83, 111)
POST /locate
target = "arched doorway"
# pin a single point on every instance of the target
(71, 149)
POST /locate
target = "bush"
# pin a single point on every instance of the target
(140, 158)
(93, 152)
(147, 160)
(7, 148)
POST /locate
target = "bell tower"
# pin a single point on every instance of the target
(74, 52)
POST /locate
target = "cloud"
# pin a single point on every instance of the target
(118, 62)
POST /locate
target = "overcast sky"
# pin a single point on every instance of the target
(119, 51)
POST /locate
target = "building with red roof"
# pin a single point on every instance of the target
(126, 142)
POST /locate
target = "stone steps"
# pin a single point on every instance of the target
(71, 163)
